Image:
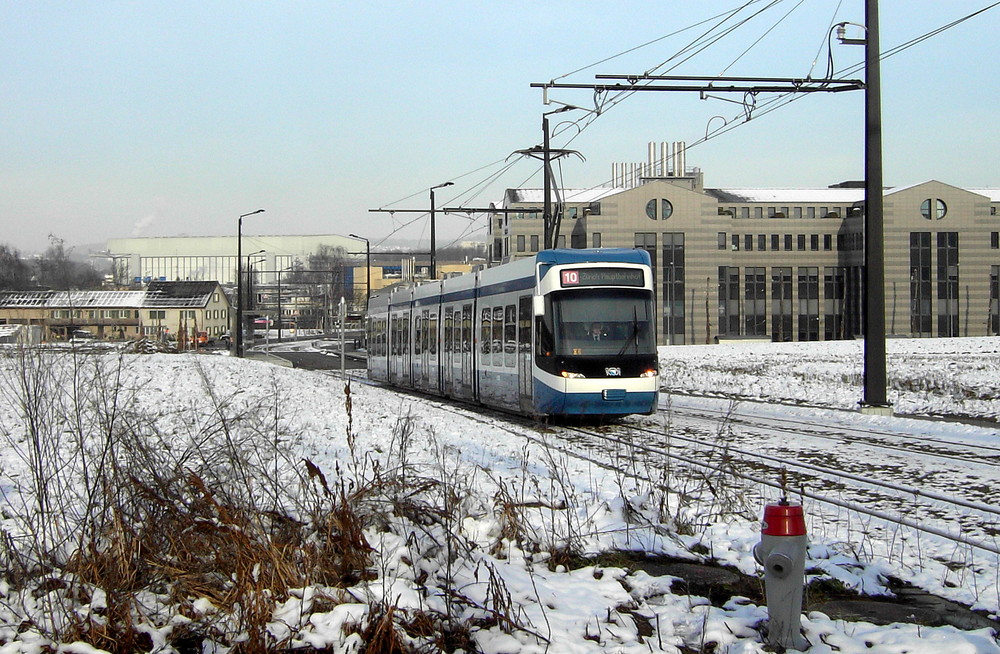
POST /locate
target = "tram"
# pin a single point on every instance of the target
(565, 332)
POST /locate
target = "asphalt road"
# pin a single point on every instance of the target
(326, 357)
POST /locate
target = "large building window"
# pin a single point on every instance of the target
(781, 304)
(673, 288)
(995, 300)
(947, 278)
(920, 283)
(755, 302)
(647, 241)
(808, 303)
(729, 301)
(834, 284)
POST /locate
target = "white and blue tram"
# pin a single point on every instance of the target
(565, 332)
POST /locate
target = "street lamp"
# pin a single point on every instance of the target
(279, 297)
(239, 284)
(368, 266)
(433, 244)
(250, 265)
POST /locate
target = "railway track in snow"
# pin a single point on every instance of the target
(899, 472)
(933, 477)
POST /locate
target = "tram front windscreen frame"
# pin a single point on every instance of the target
(593, 325)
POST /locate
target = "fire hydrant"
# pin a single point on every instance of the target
(782, 553)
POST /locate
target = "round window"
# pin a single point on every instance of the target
(666, 209)
(933, 209)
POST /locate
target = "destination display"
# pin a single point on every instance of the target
(602, 277)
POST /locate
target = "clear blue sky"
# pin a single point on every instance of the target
(123, 119)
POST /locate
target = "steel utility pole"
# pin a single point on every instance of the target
(875, 377)
(874, 269)
(550, 221)
(875, 399)
(433, 222)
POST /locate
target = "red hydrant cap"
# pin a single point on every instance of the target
(783, 520)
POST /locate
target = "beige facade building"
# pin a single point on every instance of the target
(163, 310)
(784, 264)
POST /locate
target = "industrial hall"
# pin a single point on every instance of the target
(779, 264)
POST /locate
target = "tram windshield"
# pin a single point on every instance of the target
(603, 322)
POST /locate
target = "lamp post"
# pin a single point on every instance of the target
(250, 265)
(433, 244)
(368, 266)
(239, 284)
(279, 298)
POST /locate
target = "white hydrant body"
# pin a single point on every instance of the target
(782, 553)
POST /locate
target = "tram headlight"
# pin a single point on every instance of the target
(648, 373)
(573, 375)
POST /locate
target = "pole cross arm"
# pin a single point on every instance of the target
(812, 87)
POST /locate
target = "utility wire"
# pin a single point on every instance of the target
(696, 46)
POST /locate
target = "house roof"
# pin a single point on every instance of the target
(74, 299)
(156, 295)
(178, 294)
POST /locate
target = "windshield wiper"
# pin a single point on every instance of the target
(634, 338)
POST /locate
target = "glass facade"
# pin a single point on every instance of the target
(947, 280)
(920, 283)
(673, 288)
(781, 304)
(755, 302)
(729, 301)
(808, 303)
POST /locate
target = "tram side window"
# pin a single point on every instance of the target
(486, 334)
(395, 335)
(467, 328)
(417, 333)
(509, 335)
(498, 336)
(524, 324)
(432, 330)
(404, 331)
(546, 343)
(448, 326)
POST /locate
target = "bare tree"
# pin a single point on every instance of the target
(56, 270)
(15, 273)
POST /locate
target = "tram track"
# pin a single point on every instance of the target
(707, 443)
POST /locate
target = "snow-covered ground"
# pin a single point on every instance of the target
(496, 508)
(940, 376)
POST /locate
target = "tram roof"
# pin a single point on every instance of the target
(594, 255)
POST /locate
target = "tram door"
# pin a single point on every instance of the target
(420, 345)
(524, 352)
(395, 349)
(403, 359)
(467, 351)
(448, 353)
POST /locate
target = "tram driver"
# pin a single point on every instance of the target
(598, 331)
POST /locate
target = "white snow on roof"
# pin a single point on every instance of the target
(793, 195)
(992, 193)
(573, 195)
